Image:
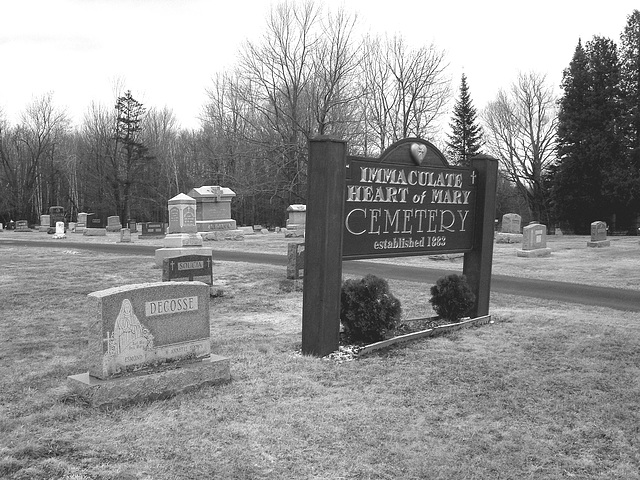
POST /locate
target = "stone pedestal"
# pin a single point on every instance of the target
(150, 386)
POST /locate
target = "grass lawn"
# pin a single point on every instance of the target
(549, 390)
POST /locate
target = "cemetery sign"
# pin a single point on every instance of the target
(398, 210)
(408, 201)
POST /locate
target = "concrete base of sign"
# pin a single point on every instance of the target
(223, 235)
(162, 253)
(113, 228)
(247, 230)
(150, 385)
(95, 232)
(43, 228)
(599, 243)
(538, 252)
(58, 236)
(173, 240)
(508, 238)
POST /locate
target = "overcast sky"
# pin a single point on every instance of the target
(167, 51)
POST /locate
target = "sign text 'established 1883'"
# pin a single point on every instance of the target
(400, 210)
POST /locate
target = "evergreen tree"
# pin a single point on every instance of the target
(630, 86)
(589, 145)
(465, 139)
(130, 153)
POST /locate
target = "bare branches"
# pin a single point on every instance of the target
(521, 133)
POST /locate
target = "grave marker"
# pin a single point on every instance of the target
(599, 235)
(59, 231)
(95, 226)
(295, 260)
(192, 267)
(45, 223)
(534, 241)
(149, 341)
(297, 221)
(81, 224)
(153, 229)
(125, 235)
(213, 213)
(183, 237)
(22, 226)
(510, 231)
(113, 224)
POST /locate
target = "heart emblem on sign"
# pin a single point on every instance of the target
(418, 152)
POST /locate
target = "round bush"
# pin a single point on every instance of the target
(452, 297)
(367, 309)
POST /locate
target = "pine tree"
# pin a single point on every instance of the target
(589, 145)
(131, 153)
(465, 139)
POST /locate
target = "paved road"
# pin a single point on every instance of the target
(620, 299)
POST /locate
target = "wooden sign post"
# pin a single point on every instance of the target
(409, 201)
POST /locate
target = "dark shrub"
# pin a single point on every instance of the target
(452, 297)
(367, 309)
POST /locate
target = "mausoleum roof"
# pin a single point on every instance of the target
(212, 191)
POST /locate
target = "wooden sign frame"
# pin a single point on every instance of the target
(329, 179)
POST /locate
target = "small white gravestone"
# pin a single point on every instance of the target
(59, 231)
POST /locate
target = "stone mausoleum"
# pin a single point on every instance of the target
(213, 213)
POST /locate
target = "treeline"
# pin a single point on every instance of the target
(575, 159)
(310, 74)
(564, 161)
(597, 175)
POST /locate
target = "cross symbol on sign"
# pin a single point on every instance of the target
(171, 264)
(473, 177)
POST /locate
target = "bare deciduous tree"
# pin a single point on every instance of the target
(405, 90)
(520, 129)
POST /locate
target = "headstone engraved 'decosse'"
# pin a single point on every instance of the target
(149, 329)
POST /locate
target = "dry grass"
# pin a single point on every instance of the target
(548, 391)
